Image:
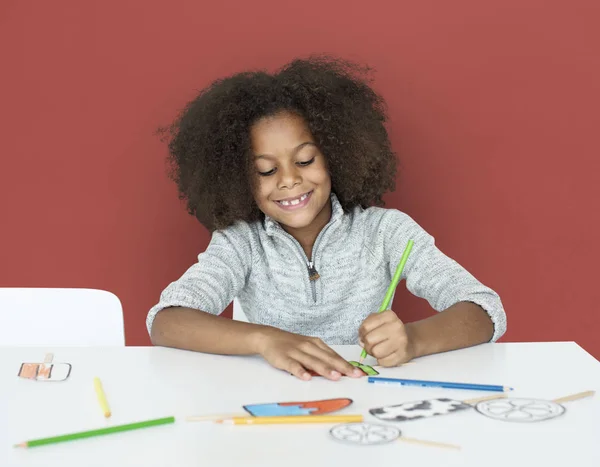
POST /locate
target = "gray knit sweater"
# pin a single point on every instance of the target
(354, 256)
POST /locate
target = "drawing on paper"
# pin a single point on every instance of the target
(520, 410)
(418, 409)
(45, 372)
(365, 433)
(527, 410)
(297, 408)
(415, 410)
(368, 370)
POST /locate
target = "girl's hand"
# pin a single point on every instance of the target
(384, 337)
(296, 354)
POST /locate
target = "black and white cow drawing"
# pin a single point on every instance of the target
(418, 409)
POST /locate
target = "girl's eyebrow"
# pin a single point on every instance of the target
(294, 151)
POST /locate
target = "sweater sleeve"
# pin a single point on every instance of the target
(432, 275)
(215, 279)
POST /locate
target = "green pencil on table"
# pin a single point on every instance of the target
(392, 287)
(98, 432)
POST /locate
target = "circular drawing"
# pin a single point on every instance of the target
(520, 410)
(365, 433)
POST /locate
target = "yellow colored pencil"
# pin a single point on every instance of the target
(292, 419)
(101, 397)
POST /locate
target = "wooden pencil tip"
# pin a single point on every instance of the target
(20, 445)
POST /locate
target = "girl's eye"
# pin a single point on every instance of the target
(266, 174)
(305, 163)
(300, 163)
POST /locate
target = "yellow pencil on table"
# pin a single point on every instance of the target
(291, 419)
(101, 397)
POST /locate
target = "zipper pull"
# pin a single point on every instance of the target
(313, 275)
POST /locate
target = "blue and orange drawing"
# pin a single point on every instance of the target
(277, 409)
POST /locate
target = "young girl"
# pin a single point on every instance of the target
(287, 171)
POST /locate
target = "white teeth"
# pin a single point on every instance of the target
(294, 201)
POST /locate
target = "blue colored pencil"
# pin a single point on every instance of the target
(439, 384)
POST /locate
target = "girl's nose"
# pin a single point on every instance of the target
(288, 178)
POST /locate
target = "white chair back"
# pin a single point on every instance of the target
(238, 313)
(60, 317)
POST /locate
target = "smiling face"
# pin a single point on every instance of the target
(293, 185)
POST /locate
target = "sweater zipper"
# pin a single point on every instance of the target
(313, 274)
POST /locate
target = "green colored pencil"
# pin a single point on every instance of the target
(99, 432)
(392, 287)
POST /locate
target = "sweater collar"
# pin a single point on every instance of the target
(271, 226)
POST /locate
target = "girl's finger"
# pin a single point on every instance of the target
(375, 320)
(376, 336)
(319, 365)
(384, 349)
(346, 368)
(393, 359)
(336, 362)
(319, 343)
(295, 368)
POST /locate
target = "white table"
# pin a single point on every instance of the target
(143, 383)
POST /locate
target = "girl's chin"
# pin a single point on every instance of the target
(296, 220)
(296, 223)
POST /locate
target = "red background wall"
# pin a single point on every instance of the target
(494, 113)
